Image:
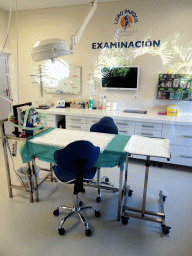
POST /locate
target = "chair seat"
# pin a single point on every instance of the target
(66, 176)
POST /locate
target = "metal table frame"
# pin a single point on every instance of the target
(33, 189)
(127, 211)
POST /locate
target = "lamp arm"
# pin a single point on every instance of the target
(76, 38)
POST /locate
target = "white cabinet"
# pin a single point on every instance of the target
(91, 121)
(180, 137)
(76, 123)
(125, 127)
(148, 129)
(51, 121)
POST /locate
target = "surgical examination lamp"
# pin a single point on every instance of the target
(55, 47)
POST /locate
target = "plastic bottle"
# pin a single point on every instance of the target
(90, 103)
(104, 102)
(100, 103)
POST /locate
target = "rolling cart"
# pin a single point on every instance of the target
(149, 147)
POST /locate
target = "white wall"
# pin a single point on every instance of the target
(167, 21)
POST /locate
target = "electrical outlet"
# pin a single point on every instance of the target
(61, 103)
(135, 97)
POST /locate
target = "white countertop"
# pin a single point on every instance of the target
(184, 118)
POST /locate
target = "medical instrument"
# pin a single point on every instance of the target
(55, 47)
(25, 120)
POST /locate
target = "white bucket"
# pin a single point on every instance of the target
(22, 172)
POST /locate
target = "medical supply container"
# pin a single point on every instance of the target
(172, 110)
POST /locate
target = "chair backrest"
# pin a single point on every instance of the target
(75, 161)
(105, 125)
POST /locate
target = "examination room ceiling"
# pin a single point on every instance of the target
(36, 4)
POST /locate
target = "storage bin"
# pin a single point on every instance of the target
(22, 172)
(172, 110)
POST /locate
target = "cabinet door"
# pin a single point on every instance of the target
(178, 134)
(180, 155)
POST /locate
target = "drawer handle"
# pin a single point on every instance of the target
(121, 124)
(185, 136)
(73, 119)
(147, 134)
(186, 156)
(73, 126)
(123, 131)
(148, 126)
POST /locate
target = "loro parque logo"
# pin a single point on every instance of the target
(126, 18)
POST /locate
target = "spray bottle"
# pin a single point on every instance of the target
(100, 103)
(90, 103)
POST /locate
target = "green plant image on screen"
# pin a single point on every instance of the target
(120, 78)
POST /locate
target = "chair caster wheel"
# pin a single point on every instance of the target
(61, 231)
(165, 229)
(97, 213)
(88, 232)
(80, 203)
(56, 212)
(106, 179)
(124, 220)
(98, 199)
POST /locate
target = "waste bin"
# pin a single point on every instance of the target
(22, 172)
(61, 123)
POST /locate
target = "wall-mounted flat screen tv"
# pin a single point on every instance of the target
(120, 78)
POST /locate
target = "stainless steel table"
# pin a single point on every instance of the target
(33, 189)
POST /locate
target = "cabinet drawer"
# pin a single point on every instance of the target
(149, 125)
(77, 119)
(180, 155)
(76, 126)
(178, 134)
(93, 120)
(148, 133)
(128, 132)
(124, 123)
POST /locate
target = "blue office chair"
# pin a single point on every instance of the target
(105, 125)
(74, 164)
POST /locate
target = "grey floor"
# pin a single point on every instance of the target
(31, 229)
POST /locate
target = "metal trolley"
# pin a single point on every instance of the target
(133, 148)
(31, 172)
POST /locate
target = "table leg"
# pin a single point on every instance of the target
(120, 195)
(35, 181)
(51, 170)
(30, 182)
(4, 141)
(145, 185)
